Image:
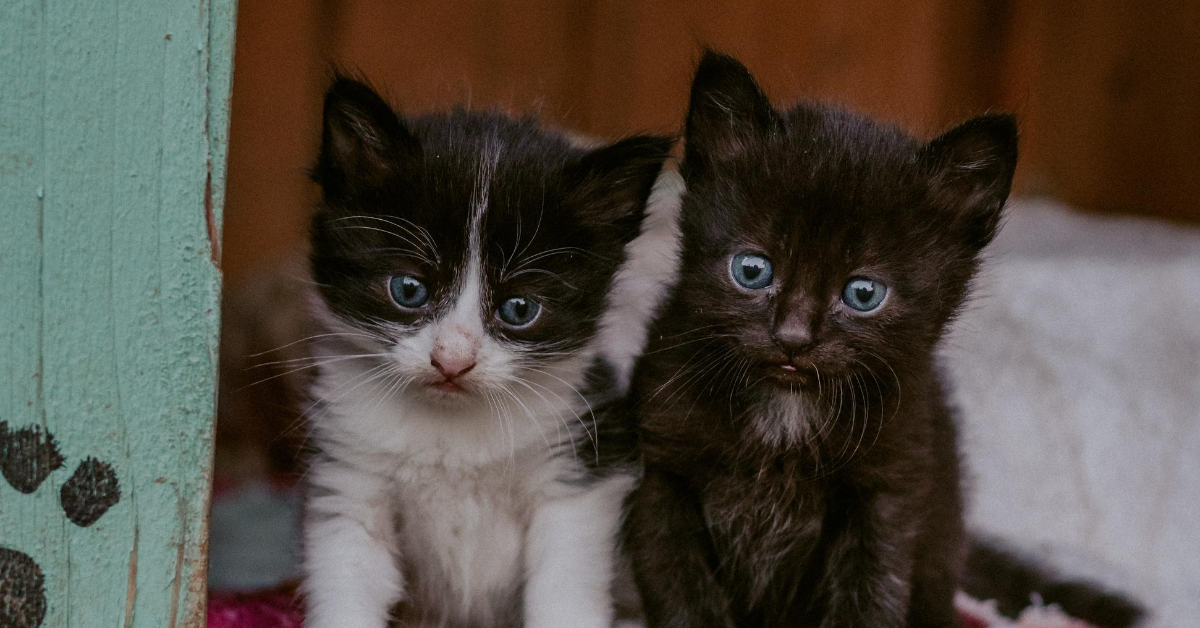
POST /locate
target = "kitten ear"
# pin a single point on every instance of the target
(360, 139)
(727, 109)
(972, 169)
(613, 182)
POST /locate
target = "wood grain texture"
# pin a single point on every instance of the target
(112, 155)
(1111, 93)
(1107, 91)
(602, 67)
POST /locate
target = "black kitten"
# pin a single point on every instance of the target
(801, 464)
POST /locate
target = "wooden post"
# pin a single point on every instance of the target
(113, 129)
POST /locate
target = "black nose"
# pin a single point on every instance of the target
(794, 336)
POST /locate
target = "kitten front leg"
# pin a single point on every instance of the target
(673, 557)
(570, 557)
(351, 573)
(868, 578)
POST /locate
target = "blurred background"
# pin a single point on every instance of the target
(1107, 91)
(1078, 369)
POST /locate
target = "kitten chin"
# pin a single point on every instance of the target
(784, 418)
(471, 460)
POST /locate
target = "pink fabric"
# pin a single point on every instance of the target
(279, 608)
(971, 621)
(1055, 623)
(265, 609)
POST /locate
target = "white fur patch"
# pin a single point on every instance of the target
(784, 419)
(1080, 420)
(571, 558)
(467, 488)
(651, 268)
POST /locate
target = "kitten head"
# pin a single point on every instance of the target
(466, 250)
(819, 243)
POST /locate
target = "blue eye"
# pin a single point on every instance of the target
(409, 292)
(518, 312)
(751, 271)
(864, 295)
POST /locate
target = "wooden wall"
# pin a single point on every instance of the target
(1108, 91)
(113, 134)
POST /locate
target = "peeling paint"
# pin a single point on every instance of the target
(121, 128)
(197, 585)
(131, 581)
(176, 583)
(210, 222)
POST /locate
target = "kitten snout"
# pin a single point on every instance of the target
(795, 334)
(454, 354)
(452, 366)
(793, 337)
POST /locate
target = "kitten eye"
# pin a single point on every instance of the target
(408, 292)
(518, 312)
(751, 271)
(864, 295)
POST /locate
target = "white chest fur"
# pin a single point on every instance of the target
(453, 519)
(462, 539)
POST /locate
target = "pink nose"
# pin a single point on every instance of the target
(452, 366)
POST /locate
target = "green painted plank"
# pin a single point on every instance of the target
(113, 134)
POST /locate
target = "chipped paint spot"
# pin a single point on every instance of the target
(90, 492)
(131, 581)
(22, 590)
(27, 456)
(210, 220)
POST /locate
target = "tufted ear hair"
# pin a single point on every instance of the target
(971, 170)
(361, 139)
(727, 109)
(613, 182)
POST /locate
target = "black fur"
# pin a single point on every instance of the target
(995, 572)
(851, 516)
(611, 441)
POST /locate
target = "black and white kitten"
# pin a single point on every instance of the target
(801, 463)
(463, 262)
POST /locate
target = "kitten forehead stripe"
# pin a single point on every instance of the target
(472, 291)
(483, 182)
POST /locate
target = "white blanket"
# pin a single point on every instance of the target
(1077, 377)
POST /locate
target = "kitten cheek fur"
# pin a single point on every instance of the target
(833, 502)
